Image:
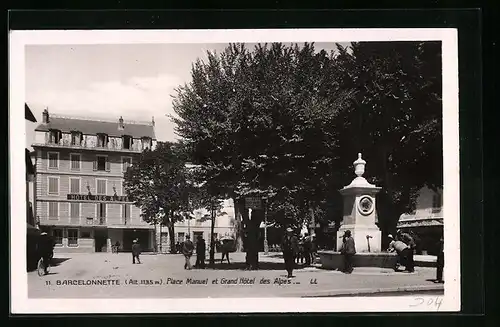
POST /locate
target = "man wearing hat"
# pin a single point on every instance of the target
(136, 251)
(187, 251)
(348, 250)
(403, 252)
(290, 249)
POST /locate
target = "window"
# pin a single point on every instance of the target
(74, 185)
(126, 162)
(75, 161)
(101, 163)
(146, 143)
(53, 160)
(53, 210)
(126, 213)
(72, 237)
(436, 203)
(53, 185)
(101, 186)
(102, 140)
(57, 234)
(127, 142)
(74, 210)
(101, 210)
(76, 138)
(180, 237)
(55, 136)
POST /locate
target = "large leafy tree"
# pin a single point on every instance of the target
(395, 120)
(256, 121)
(159, 184)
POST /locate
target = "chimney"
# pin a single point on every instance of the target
(121, 127)
(153, 121)
(45, 116)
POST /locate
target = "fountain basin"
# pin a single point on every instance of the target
(334, 260)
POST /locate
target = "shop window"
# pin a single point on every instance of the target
(57, 235)
(72, 237)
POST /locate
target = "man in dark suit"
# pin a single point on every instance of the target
(440, 262)
(187, 251)
(290, 249)
(46, 250)
(200, 252)
(348, 250)
(136, 251)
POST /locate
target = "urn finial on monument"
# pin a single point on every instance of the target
(359, 166)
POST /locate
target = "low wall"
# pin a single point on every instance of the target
(334, 260)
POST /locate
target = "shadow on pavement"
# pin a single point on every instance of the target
(57, 261)
(243, 266)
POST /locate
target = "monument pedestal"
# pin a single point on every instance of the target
(359, 212)
(366, 238)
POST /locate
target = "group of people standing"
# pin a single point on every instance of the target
(297, 250)
(187, 249)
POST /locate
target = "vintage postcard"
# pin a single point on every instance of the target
(219, 170)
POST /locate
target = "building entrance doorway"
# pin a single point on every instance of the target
(130, 235)
(101, 240)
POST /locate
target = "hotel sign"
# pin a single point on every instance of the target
(93, 197)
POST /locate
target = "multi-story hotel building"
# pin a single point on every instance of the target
(80, 199)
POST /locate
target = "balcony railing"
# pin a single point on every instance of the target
(92, 143)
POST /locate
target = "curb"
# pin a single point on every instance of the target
(374, 291)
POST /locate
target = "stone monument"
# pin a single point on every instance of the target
(360, 213)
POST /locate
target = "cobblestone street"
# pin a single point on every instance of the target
(162, 276)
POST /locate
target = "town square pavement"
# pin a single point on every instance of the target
(107, 275)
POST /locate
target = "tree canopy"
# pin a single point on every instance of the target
(286, 123)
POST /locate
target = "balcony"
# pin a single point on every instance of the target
(137, 148)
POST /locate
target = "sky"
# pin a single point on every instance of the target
(136, 81)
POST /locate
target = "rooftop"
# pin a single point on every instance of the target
(94, 126)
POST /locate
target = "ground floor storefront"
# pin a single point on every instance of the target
(72, 239)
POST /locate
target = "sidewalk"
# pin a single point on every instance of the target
(270, 281)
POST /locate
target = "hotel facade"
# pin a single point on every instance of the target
(80, 199)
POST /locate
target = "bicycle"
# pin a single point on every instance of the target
(41, 267)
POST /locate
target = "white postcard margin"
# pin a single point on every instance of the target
(21, 304)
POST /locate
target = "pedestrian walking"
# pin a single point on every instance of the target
(187, 251)
(410, 241)
(348, 250)
(440, 262)
(403, 252)
(200, 252)
(290, 249)
(136, 252)
(226, 247)
(307, 248)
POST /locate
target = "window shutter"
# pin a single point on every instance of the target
(108, 168)
(95, 164)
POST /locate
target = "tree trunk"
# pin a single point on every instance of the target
(155, 243)
(238, 228)
(212, 241)
(252, 241)
(171, 235)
